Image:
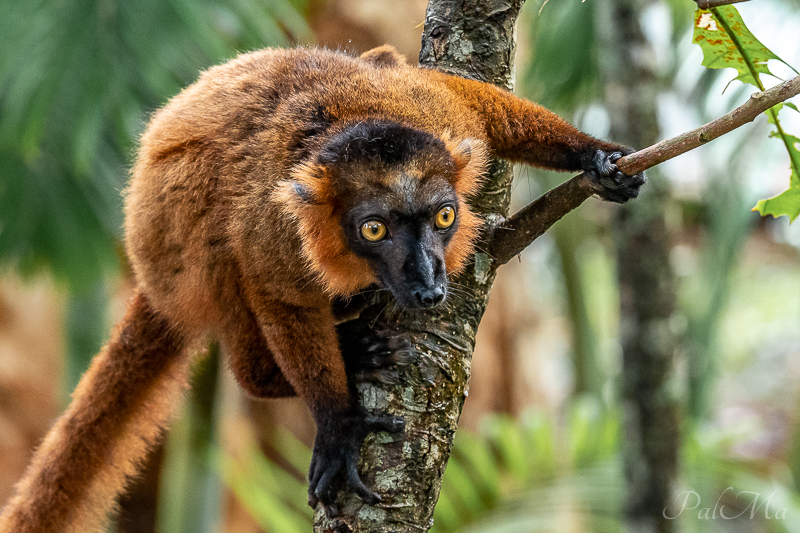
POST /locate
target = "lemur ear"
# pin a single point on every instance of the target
(470, 157)
(310, 185)
(304, 193)
(462, 154)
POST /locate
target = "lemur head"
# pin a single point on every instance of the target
(384, 202)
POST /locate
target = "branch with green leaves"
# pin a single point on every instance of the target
(509, 237)
(727, 43)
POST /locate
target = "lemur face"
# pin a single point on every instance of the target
(385, 203)
(403, 232)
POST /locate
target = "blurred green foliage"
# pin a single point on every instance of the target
(190, 495)
(77, 80)
(274, 496)
(535, 474)
(563, 69)
(541, 474)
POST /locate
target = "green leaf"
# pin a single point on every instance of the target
(788, 202)
(772, 118)
(727, 43)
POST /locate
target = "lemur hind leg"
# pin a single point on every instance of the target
(251, 359)
(304, 342)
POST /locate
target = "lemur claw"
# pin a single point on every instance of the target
(336, 452)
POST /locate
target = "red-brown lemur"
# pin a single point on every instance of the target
(277, 182)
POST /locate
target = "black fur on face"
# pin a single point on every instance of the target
(396, 180)
(380, 142)
(409, 259)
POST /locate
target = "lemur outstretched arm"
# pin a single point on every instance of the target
(525, 132)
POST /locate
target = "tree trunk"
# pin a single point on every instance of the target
(647, 284)
(474, 39)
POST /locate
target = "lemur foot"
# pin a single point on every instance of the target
(609, 182)
(374, 357)
(336, 452)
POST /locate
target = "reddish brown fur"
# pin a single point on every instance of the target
(384, 56)
(118, 411)
(219, 240)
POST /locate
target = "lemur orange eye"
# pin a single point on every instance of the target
(445, 217)
(373, 230)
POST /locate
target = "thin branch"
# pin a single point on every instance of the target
(518, 231)
(708, 4)
(747, 112)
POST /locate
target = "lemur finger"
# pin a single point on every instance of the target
(329, 501)
(388, 377)
(392, 424)
(390, 349)
(602, 163)
(331, 511)
(314, 471)
(312, 498)
(627, 181)
(358, 486)
(398, 342)
(322, 489)
(402, 350)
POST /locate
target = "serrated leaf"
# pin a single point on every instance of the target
(788, 202)
(727, 43)
(772, 118)
(785, 204)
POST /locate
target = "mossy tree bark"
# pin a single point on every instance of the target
(474, 39)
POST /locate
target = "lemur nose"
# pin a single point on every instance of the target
(430, 297)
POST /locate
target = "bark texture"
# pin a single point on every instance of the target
(474, 39)
(647, 285)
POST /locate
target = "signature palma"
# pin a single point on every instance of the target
(689, 500)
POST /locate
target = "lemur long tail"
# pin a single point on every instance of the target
(118, 411)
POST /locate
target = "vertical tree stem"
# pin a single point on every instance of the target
(647, 285)
(475, 39)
